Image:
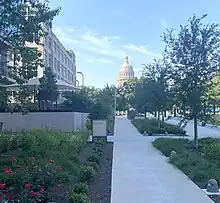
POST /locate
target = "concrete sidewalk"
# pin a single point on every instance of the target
(140, 174)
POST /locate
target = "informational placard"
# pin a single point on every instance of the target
(99, 128)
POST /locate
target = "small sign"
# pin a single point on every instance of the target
(99, 128)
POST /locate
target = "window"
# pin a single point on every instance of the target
(55, 47)
(50, 61)
(50, 43)
(55, 64)
(58, 66)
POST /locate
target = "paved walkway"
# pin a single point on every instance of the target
(140, 174)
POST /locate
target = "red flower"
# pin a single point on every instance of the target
(2, 185)
(10, 196)
(52, 161)
(32, 158)
(27, 186)
(35, 194)
(14, 159)
(8, 171)
(54, 189)
(6, 189)
(42, 190)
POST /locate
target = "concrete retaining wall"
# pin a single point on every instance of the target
(62, 121)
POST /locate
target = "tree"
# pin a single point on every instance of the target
(126, 95)
(194, 54)
(48, 92)
(21, 23)
(156, 88)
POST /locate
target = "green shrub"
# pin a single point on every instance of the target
(94, 158)
(156, 127)
(87, 173)
(80, 188)
(94, 165)
(167, 145)
(78, 198)
(198, 167)
(54, 155)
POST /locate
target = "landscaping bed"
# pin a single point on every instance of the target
(199, 166)
(49, 166)
(100, 188)
(154, 127)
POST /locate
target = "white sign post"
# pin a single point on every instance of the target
(99, 130)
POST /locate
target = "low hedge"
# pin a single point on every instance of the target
(199, 166)
(151, 127)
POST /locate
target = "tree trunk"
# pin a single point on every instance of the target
(145, 115)
(163, 116)
(155, 114)
(158, 115)
(165, 113)
(174, 112)
(214, 109)
(196, 132)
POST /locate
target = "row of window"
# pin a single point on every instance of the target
(58, 52)
(59, 69)
(122, 74)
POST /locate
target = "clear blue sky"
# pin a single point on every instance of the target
(100, 32)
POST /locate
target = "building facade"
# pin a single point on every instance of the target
(61, 61)
(126, 72)
(54, 55)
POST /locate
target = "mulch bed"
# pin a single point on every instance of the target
(100, 188)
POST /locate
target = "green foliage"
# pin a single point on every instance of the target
(92, 164)
(194, 57)
(20, 25)
(87, 173)
(99, 103)
(94, 158)
(167, 145)
(42, 158)
(78, 198)
(48, 91)
(198, 166)
(80, 188)
(156, 126)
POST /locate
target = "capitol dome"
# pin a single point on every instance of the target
(126, 72)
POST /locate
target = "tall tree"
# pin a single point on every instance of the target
(23, 21)
(156, 79)
(48, 92)
(194, 54)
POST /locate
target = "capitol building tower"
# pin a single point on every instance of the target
(126, 72)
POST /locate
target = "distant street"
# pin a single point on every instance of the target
(204, 131)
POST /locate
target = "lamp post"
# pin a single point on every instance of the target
(77, 82)
(82, 77)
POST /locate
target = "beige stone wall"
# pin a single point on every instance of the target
(62, 121)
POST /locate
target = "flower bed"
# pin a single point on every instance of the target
(35, 166)
(199, 166)
(150, 126)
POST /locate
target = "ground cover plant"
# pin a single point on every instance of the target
(154, 127)
(35, 166)
(199, 166)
